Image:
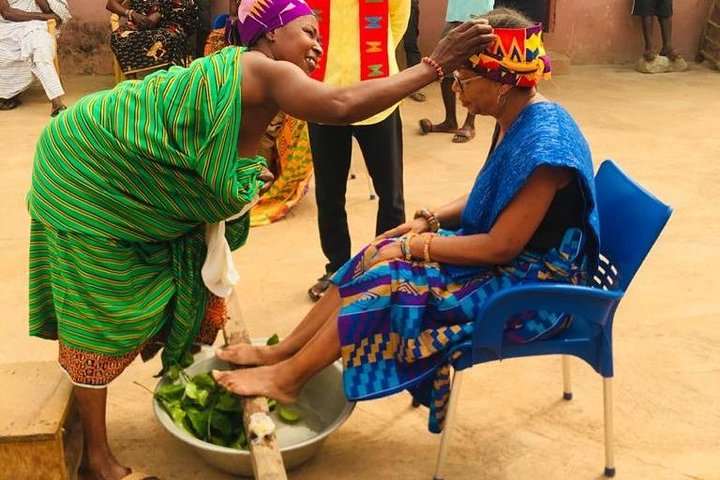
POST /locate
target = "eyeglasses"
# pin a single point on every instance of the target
(463, 81)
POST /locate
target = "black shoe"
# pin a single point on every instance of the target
(318, 290)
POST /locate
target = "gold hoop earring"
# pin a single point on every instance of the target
(501, 104)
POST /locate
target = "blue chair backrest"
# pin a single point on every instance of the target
(631, 219)
(219, 21)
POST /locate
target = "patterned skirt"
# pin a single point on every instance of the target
(105, 301)
(400, 319)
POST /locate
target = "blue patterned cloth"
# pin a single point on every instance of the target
(399, 319)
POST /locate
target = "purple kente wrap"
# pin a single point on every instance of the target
(257, 17)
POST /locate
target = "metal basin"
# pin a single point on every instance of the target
(322, 400)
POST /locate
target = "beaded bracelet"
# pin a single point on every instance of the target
(405, 245)
(436, 66)
(429, 217)
(426, 247)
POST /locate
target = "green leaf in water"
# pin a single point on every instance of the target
(199, 395)
(170, 392)
(240, 442)
(288, 415)
(227, 402)
(204, 381)
(198, 421)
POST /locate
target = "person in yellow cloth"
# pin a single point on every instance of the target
(360, 38)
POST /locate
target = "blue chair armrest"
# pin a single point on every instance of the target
(592, 304)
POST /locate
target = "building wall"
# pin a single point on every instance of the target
(587, 31)
(593, 31)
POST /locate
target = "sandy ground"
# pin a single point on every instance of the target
(663, 130)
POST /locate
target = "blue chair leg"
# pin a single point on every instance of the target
(567, 379)
(608, 414)
(449, 421)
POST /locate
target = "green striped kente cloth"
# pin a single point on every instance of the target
(122, 185)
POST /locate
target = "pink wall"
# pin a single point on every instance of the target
(589, 31)
(605, 32)
(592, 31)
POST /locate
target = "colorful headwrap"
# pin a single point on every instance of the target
(257, 17)
(516, 58)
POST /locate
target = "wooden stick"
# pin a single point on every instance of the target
(264, 451)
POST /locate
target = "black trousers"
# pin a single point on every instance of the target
(410, 39)
(382, 148)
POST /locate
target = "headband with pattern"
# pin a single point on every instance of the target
(257, 17)
(517, 57)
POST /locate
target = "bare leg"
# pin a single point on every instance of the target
(449, 125)
(242, 354)
(284, 380)
(666, 33)
(467, 131)
(98, 463)
(647, 36)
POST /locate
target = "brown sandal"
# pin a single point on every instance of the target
(672, 55)
(318, 290)
(9, 103)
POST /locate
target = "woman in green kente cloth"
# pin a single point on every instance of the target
(125, 181)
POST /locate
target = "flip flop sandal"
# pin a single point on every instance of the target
(9, 103)
(426, 126)
(318, 290)
(672, 55)
(462, 137)
(649, 55)
(56, 111)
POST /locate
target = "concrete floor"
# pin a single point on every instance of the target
(663, 130)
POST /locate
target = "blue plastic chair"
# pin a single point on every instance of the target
(219, 21)
(631, 219)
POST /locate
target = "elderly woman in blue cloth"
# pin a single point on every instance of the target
(397, 307)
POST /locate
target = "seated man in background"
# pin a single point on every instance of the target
(27, 50)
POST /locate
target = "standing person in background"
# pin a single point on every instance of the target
(346, 27)
(663, 10)
(410, 44)
(458, 11)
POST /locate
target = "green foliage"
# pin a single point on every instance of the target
(273, 340)
(204, 409)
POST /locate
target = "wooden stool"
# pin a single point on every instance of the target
(40, 433)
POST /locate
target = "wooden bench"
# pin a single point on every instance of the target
(40, 434)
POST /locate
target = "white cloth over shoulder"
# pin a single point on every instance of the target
(218, 271)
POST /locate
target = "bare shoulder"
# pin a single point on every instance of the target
(262, 75)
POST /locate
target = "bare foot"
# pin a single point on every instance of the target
(250, 355)
(260, 381)
(108, 469)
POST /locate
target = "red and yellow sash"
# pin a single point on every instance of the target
(374, 24)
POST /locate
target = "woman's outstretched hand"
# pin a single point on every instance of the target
(419, 225)
(461, 43)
